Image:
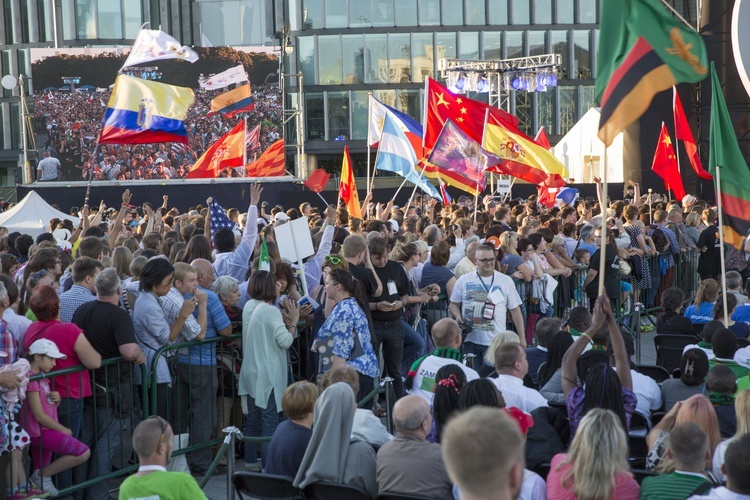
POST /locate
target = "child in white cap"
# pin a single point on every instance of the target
(48, 435)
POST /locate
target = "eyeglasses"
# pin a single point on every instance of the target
(164, 425)
(486, 261)
(37, 276)
(333, 259)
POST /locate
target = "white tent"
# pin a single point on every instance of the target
(32, 215)
(582, 152)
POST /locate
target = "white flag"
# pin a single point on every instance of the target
(154, 45)
(205, 41)
(226, 78)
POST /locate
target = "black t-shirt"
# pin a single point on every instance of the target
(709, 264)
(393, 273)
(669, 322)
(107, 327)
(369, 284)
(611, 274)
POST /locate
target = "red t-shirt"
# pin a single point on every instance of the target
(74, 385)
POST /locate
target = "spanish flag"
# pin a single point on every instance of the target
(143, 111)
(233, 102)
(643, 50)
(270, 163)
(227, 152)
(348, 188)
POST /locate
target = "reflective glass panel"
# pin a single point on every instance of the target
(568, 108)
(498, 12)
(422, 52)
(559, 45)
(315, 116)
(546, 110)
(376, 59)
(493, 45)
(446, 45)
(329, 60)
(409, 102)
(582, 54)
(475, 12)
(133, 18)
(359, 13)
(542, 11)
(469, 45)
(382, 12)
(587, 11)
(312, 14)
(86, 19)
(110, 19)
(338, 116)
(399, 58)
(429, 12)
(360, 110)
(353, 53)
(514, 44)
(564, 11)
(406, 13)
(520, 12)
(305, 50)
(536, 44)
(453, 14)
(336, 14)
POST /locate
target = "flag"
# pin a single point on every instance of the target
(225, 78)
(348, 188)
(725, 152)
(233, 102)
(252, 141)
(408, 125)
(665, 164)
(566, 196)
(227, 152)
(317, 180)
(542, 139)
(143, 111)
(205, 41)
(396, 154)
(264, 261)
(219, 219)
(270, 163)
(447, 200)
(643, 50)
(548, 190)
(155, 45)
(458, 160)
(521, 157)
(468, 114)
(682, 132)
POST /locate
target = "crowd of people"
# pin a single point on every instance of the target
(513, 376)
(68, 123)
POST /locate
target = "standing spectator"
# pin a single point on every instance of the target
(85, 271)
(233, 260)
(48, 169)
(708, 246)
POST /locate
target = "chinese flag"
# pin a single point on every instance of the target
(683, 133)
(347, 187)
(665, 164)
(468, 114)
(317, 180)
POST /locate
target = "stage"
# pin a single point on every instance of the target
(235, 192)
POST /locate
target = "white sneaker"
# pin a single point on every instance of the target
(45, 484)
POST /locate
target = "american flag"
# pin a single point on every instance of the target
(219, 219)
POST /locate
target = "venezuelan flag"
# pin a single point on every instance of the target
(233, 102)
(143, 112)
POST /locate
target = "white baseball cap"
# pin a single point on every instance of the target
(281, 217)
(46, 347)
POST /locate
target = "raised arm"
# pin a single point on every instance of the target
(117, 226)
(622, 361)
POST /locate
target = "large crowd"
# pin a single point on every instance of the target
(513, 376)
(68, 125)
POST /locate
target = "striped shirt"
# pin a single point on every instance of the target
(676, 485)
(72, 300)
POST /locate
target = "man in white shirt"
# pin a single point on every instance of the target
(483, 299)
(736, 468)
(512, 366)
(469, 263)
(48, 169)
(647, 391)
(446, 335)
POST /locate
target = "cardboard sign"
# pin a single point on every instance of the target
(294, 240)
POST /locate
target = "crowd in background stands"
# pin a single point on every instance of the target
(67, 125)
(405, 292)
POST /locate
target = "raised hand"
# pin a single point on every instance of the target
(126, 197)
(255, 191)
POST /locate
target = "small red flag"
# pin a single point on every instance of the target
(317, 180)
(665, 164)
(683, 133)
(542, 139)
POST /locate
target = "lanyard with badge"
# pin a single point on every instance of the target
(488, 311)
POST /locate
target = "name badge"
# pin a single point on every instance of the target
(495, 296)
(489, 311)
(392, 288)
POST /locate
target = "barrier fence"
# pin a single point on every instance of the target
(201, 401)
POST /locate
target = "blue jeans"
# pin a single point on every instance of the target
(102, 431)
(413, 344)
(259, 422)
(70, 414)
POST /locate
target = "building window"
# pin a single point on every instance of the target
(469, 45)
(542, 11)
(382, 12)
(336, 14)
(399, 58)
(306, 58)
(109, 16)
(329, 60)
(476, 14)
(354, 59)
(410, 102)
(446, 45)
(559, 45)
(360, 109)
(513, 44)
(536, 43)
(582, 55)
(133, 17)
(422, 55)
(86, 15)
(498, 15)
(453, 14)
(587, 99)
(312, 14)
(406, 13)
(564, 11)
(429, 12)
(359, 14)
(315, 111)
(587, 11)
(519, 12)
(546, 110)
(376, 59)
(338, 116)
(493, 47)
(568, 108)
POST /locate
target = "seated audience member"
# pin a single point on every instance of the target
(449, 382)
(545, 329)
(696, 409)
(702, 309)
(487, 368)
(601, 388)
(289, 441)
(671, 322)
(533, 486)
(446, 335)
(724, 345)
(597, 464)
(742, 412)
(736, 469)
(707, 334)
(579, 321)
(721, 386)
(550, 378)
(733, 280)
(693, 372)
(483, 453)
(409, 464)
(688, 449)
(332, 455)
(512, 367)
(646, 390)
(367, 427)
(480, 392)
(740, 329)
(152, 441)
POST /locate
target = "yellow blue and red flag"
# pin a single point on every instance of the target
(143, 111)
(235, 101)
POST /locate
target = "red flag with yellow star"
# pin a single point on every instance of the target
(468, 114)
(665, 164)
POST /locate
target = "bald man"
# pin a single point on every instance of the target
(196, 372)
(446, 336)
(409, 464)
(469, 262)
(152, 441)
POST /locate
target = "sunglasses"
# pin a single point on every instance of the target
(164, 425)
(333, 259)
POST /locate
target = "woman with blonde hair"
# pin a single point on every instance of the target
(486, 366)
(596, 466)
(512, 258)
(742, 411)
(701, 311)
(696, 409)
(121, 259)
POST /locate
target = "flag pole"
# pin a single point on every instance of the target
(476, 202)
(603, 247)
(369, 120)
(414, 191)
(399, 188)
(244, 149)
(721, 245)
(507, 195)
(324, 200)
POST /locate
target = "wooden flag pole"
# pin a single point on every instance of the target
(603, 244)
(721, 245)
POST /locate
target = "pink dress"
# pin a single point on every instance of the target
(626, 488)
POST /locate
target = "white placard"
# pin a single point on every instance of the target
(503, 187)
(294, 240)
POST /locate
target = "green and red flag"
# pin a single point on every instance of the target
(725, 154)
(643, 50)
